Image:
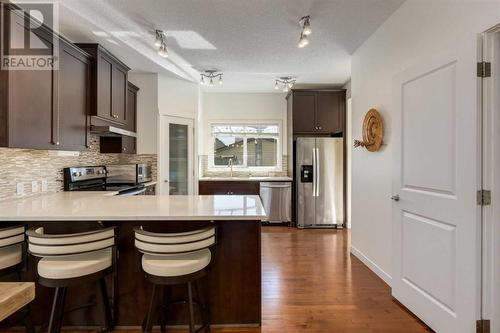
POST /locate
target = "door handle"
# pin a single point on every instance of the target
(165, 181)
(395, 197)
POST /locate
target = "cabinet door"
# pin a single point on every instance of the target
(304, 106)
(74, 80)
(129, 145)
(32, 98)
(119, 91)
(104, 85)
(329, 112)
(131, 108)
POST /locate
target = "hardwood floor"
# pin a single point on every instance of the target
(312, 284)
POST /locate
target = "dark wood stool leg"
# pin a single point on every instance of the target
(148, 325)
(107, 307)
(191, 310)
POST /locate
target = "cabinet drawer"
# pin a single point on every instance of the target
(229, 188)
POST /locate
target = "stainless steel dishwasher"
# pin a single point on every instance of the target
(277, 201)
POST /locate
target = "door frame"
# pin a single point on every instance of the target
(489, 103)
(163, 151)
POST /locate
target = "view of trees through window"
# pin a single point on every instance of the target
(246, 145)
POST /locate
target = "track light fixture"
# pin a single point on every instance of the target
(305, 25)
(287, 83)
(210, 75)
(160, 43)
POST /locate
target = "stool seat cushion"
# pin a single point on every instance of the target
(10, 256)
(75, 265)
(176, 264)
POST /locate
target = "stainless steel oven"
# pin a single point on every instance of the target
(128, 173)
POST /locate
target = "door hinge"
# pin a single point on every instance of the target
(484, 69)
(484, 197)
(483, 326)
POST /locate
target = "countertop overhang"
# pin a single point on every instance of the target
(96, 206)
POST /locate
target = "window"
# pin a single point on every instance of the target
(246, 145)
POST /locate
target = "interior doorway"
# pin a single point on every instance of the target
(176, 156)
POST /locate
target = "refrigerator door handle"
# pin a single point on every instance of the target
(314, 171)
(317, 172)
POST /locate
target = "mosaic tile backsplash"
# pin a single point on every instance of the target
(26, 165)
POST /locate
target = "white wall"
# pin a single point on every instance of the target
(147, 111)
(177, 97)
(416, 30)
(241, 106)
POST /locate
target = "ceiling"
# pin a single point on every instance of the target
(251, 41)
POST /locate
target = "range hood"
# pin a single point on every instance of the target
(111, 131)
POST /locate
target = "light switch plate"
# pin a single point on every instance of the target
(34, 186)
(45, 185)
(20, 189)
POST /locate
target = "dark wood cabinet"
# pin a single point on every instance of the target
(317, 111)
(124, 144)
(109, 85)
(229, 187)
(118, 144)
(304, 109)
(131, 123)
(45, 109)
(74, 98)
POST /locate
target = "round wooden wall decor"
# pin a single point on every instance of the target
(373, 131)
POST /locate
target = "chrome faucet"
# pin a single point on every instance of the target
(230, 165)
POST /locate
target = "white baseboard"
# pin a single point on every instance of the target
(371, 265)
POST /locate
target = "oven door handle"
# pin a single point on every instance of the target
(131, 192)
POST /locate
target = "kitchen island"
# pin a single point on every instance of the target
(233, 286)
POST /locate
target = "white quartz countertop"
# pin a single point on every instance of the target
(91, 206)
(250, 179)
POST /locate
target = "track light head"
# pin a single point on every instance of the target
(158, 38)
(303, 41)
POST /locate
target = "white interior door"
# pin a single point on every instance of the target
(436, 222)
(176, 147)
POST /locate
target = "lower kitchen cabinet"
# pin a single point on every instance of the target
(229, 187)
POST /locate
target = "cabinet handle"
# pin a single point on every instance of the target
(124, 149)
(57, 143)
(319, 127)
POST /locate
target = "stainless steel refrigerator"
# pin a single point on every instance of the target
(320, 182)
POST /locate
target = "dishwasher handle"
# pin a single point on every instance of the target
(276, 185)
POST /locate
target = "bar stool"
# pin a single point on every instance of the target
(13, 261)
(72, 259)
(174, 259)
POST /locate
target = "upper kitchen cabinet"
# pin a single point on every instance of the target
(131, 117)
(317, 111)
(124, 144)
(44, 108)
(109, 85)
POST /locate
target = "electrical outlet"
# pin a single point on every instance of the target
(34, 186)
(45, 185)
(20, 189)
